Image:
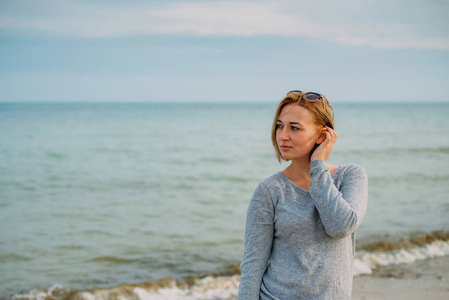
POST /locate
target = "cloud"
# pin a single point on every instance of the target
(378, 24)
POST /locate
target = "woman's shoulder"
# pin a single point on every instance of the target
(271, 188)
(348, 172)
(273, 180)
(273, 184)
(352, 169)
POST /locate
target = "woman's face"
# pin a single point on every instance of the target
(296, 132)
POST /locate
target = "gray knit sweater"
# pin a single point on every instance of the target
(300, 244)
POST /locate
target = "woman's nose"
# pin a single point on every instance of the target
(284, 135)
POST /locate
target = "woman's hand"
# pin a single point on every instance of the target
(325, 148)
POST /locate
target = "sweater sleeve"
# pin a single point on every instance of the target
(341, 211)
(258, 242)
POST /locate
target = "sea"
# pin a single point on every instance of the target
(148, 200)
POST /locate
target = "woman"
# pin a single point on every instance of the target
(299, 239)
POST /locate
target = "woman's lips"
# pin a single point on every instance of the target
(284, 147)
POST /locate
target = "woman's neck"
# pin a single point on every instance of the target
(298, 170)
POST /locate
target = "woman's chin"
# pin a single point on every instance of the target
(288, 157)
(285, 156)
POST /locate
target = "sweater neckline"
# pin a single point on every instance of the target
(334, 176)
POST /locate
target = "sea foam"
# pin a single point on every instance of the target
(365, 262)
(226, 287)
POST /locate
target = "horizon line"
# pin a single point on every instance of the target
(217, 102)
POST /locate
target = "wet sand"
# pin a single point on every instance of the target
(422, 280)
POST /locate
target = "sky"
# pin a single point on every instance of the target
(223, 51)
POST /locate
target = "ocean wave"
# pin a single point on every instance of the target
(397, 151)
(113, 259)
(209, 287)
(14, 257)
(418, 246)
(367, 262)
(224, 287)
(430, 150)
(415, 177)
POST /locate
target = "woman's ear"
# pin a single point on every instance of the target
(322, 136)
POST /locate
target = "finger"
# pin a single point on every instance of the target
(330, 137)
(332, 132)
(328, 130)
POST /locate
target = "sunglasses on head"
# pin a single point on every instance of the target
(309, 96)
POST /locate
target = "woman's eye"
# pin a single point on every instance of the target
(278, 126)
(295, 128)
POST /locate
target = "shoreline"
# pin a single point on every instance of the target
(424, 279)
(413, 267)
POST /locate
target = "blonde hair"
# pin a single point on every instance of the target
(322, 111)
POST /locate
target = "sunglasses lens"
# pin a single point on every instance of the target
(312, 96)
(295, 91)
